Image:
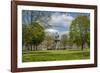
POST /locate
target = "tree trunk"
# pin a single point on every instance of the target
(31, 47)
(82, 44)
(36, 47)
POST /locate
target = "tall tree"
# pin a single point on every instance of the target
(32, 35)
(38, 34)
(80, 31)
(26, 36)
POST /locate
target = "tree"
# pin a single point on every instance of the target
(37, 34)
(26, 36)
(32, 34)
(80, 31)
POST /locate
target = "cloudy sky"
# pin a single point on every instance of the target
(60, 21)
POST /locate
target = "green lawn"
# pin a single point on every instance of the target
(52, 55)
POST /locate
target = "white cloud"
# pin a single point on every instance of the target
(51, 30)
(60, 24)
(61, 20)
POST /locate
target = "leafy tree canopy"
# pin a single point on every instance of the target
(80, 30)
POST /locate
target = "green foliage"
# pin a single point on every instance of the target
(32, 34)
(37, 32)
(26, 34)
(80, 31)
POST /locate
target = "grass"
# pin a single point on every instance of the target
(53, 55)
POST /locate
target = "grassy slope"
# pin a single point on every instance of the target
(52, 55)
